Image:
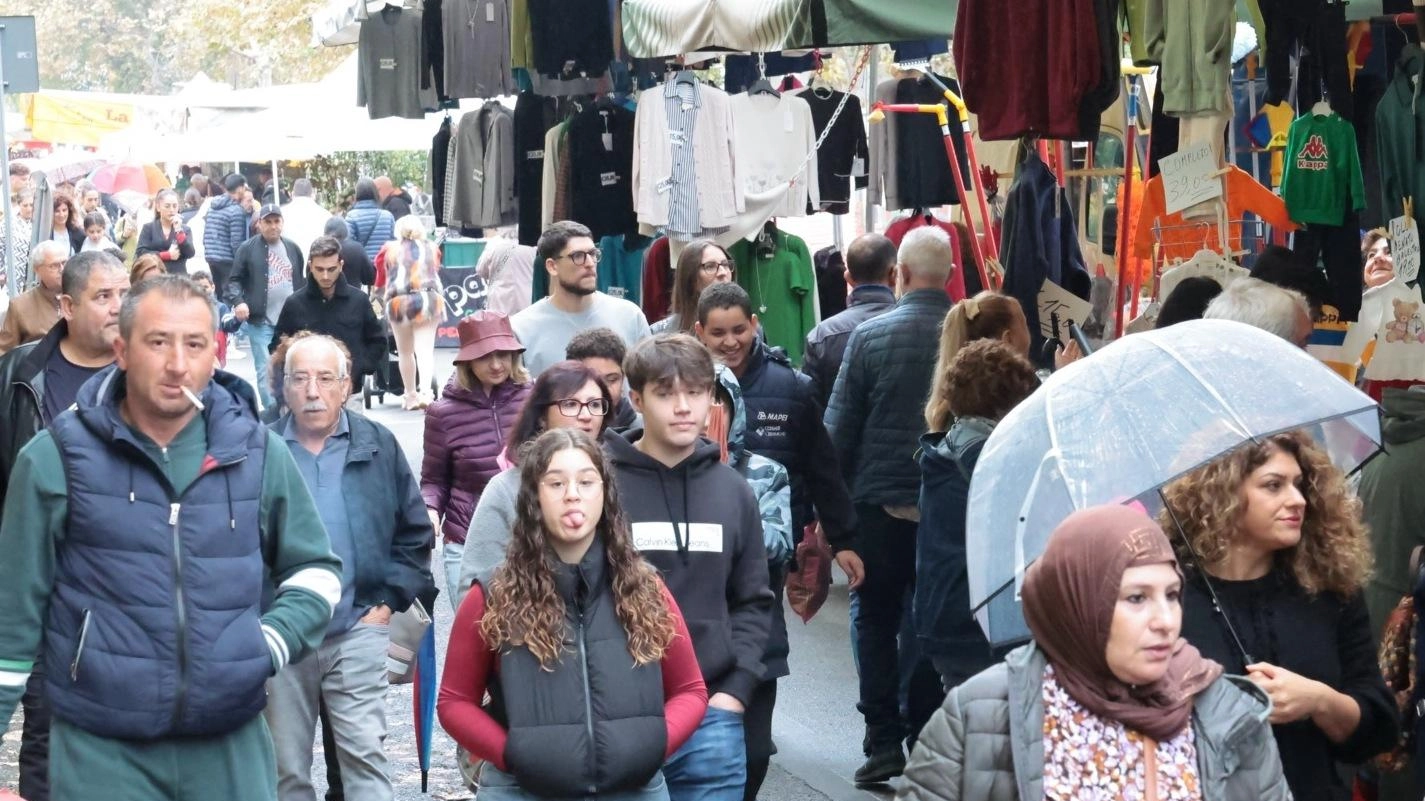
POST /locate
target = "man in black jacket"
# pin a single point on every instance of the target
(38, 380)
(393, 200)
(267, 270)
(355, 264)
(870, 270)
(328, 305)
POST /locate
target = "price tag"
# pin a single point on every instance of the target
(858, 167)
(608, 140)
(1190, 177)
(489, 12)
(1405, 248)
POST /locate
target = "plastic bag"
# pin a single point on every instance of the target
(810, 579)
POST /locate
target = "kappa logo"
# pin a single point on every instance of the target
(1313, 155)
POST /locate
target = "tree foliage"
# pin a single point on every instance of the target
(335, 175)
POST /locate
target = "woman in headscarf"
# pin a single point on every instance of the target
(1276, 595)
(1108, 701)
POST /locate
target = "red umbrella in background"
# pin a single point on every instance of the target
(130, 176)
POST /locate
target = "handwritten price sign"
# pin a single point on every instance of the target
(1190, 176)
(1405, 248)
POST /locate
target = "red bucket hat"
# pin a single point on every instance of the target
(485, 332)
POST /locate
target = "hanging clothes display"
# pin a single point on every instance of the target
(657, 28)
(433, 34)
(740, 72)
(571, 37)
(1323, 190)
(439, 160)
(1041, 90)
(1191, 40)
(1311, 33)
(922, 165)
(556, 145)
(1039, 243)
(1393, 316)
(688, 196)
(601, 169)
(621, 265)
(477, 48)
(534, 116)
(485, 163)
(831, 288)
(1180, 239)
(964, 280)
(1400, 150)
(841, 159)
(392, 72)
(774, 137)
(882, 184)
(657, 295)
(777, 273)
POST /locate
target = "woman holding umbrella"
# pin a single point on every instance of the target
(166, 237)
(574, 628)
(1107, 697)
(1279, 561)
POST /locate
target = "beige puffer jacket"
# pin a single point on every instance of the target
(987, 743)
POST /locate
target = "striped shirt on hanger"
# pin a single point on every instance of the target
(682, 102)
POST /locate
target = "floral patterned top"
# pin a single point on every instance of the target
(1089, 758)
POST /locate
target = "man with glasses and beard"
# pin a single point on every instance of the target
(566, 250)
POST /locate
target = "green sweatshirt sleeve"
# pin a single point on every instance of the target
(36, 507)
(300, 562)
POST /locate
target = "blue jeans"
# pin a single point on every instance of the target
(712, 764)
(259, 335)
(496, 785)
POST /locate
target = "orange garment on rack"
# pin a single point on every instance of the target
(1244, 195)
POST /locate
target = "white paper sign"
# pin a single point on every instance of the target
(1190, 176)
(1405, 248)
(1054, 299)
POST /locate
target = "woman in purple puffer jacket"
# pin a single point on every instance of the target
(467, 428)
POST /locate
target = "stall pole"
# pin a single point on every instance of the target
(873, 79)
(964, 115)
(12, 279)
(1124, 257)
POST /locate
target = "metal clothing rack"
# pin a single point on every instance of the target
(1251, 229)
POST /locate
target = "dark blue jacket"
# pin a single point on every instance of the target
(784, 424)
(826, 344)
(941, 610)
(877, 407)
(224, 229)
(389, 525)
(371, 226)
(154, 636)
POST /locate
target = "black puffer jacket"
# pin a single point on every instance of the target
(22, 391)
(826, 344)
(876, 413)
(784, 424)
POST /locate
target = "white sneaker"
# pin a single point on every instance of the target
(236, 353)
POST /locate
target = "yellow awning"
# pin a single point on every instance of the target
(74, 121)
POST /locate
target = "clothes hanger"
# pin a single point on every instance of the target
(762, 86)
(1322, 107)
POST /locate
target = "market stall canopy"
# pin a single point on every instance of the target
(76, 118)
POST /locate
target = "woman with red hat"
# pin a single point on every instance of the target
(466, 429)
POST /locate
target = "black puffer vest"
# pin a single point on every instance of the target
(594, 724)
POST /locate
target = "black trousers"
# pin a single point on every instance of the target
(34, 738)
(757, 729)
(1318, 29)
(1338, 247)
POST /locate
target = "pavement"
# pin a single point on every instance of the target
(816, 726)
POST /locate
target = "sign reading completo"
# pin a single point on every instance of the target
(1190, 176)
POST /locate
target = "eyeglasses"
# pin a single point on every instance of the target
(571, 407)
(300, 380)
(581, 257)
(585, 487)
(712, 267)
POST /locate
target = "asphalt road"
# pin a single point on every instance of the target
(816, 726)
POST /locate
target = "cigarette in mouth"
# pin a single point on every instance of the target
(193, 399)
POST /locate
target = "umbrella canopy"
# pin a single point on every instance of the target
(61, 167)
(1123, 422)
(130, 176)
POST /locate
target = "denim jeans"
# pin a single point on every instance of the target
(259, 336)
(899, 689)
(497, 785)
(450, 556)
(712, 764)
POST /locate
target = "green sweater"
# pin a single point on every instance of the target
(35, 515)
(1322, 177)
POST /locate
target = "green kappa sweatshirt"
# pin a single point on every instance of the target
(1322, 176)
(35, 514)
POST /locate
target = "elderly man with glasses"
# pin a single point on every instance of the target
(33, 313)
(566, 251)
(372, 510)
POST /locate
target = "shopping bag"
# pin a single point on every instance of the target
(810, 580)
(408, 628)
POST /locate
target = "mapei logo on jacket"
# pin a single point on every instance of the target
(1313, 155)
(659, 536)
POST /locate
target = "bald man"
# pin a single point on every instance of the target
(393, 200)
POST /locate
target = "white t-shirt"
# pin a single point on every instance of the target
(545, 331)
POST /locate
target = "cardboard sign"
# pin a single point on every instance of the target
(1054, 299)
(1405, 248)
(1190, 176)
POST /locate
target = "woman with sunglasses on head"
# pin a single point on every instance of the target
(702, 263)
(567, 395)
(572, 628)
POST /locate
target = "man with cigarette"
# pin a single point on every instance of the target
(161, 541)
(38, 380)
(372, 509)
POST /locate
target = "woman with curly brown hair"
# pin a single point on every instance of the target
(1279, 558)
(988, 315)
(592, 677)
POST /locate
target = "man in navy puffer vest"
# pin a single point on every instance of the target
(164, 542)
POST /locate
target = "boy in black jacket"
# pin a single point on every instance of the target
(697, 521)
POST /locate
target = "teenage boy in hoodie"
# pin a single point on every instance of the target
(698, 522)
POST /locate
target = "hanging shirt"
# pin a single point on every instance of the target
(601, 163)
(922, 166)
(621, 266)
(681, 101)
(534, 116)
(773, 137)
(842, 157)
(391, 75)
(1181, 240)
(1322, 177)
(477, 48)
(571, 37)
(776, 271)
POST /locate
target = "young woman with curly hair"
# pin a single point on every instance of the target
(591, 674)
(1278, 561)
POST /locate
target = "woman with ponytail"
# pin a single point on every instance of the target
(414, 306)
(988, 315)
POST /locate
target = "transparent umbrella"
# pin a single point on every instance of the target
(1132, 417)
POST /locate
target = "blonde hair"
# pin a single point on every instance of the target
(465, 374)
(987, 315)
(409, 227)
(1334, 553)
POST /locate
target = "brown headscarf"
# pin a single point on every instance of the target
(1069, 595)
